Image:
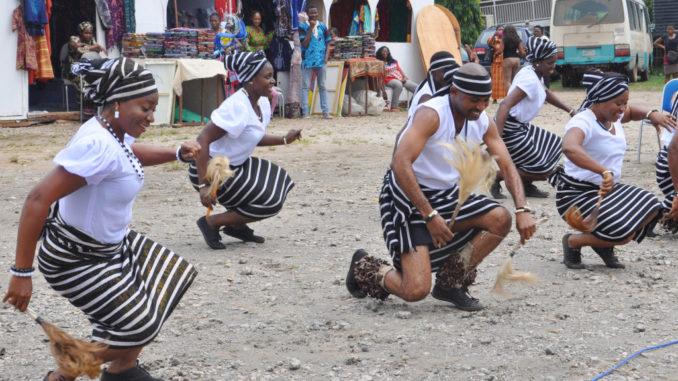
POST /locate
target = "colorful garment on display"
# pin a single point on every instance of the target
(26, 58)
(35, 14)
(117, 10)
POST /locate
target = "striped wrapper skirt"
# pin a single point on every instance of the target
(126, 290)
(257, 189)
(664, 178)
(399, 216)
(533, 150)
(621, 213)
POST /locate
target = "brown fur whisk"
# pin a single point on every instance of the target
(74, 356)
(476, 168)
(218, 170)
(507, 272)
(576, 220)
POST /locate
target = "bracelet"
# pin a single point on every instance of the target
(647, 116)
(284, 139)
(26, 273)
(200, 186)
(431, 216)
(607, 171)
(523, 209)
(180, 158)
(572, 111)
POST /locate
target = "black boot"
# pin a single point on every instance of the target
(210, 234)
(495, 190)
(351, 283)
(607, 254)
(246, 234)
(532, 191)
(135, 374)
(459, 297)
(571, 256)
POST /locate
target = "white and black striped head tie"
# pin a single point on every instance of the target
(602, 87)
(539, 49)
(114, 80)
(245, 64)
(476, 85)
(448, 77)
(441, 60)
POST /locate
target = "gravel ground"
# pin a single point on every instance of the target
(280, 310)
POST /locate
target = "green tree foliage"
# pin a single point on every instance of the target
(649, 4)
(467, 13)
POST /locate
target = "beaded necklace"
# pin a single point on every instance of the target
(136, 164)
(260, 116)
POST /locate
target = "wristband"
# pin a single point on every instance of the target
(200, 186)
(523, 209)
(284, 139)
(431, 216)
(179, 156)
(24, 273)
(647, 116)
(607, 171)
(572, 111)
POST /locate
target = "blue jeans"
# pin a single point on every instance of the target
(306, 75)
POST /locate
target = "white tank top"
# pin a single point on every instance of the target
(430, 168)
(425, 90)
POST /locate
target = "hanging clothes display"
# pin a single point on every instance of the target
(25, 54)
(400, 15)
(114, 35)
(35, 15)
(44, 71)
(225, 7)
(130, 18)
(296, 6)
(383, 20)
(280, 54)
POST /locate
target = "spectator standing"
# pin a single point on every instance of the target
(669, 42)
(497, 58)
(314, 37)
(538, 32)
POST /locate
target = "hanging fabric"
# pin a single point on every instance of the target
(114, 35)
(130, 18)
(25, 54)
(35, 14)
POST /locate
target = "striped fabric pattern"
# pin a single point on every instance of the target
(126, 290)
(115, 80)
(664, 180)
(398, 216)
(621, 214)
(257, 190)
(245, 64)
(532, 149)
(539, 49)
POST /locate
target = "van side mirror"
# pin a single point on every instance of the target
(652, 27)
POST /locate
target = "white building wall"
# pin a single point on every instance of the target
(14, 102)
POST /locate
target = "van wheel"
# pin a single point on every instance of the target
(633, 75)
(645, 74)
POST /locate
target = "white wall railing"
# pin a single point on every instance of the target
(516, 12)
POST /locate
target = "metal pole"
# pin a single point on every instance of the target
(176, 15)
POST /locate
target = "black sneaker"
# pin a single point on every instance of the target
(607, 254)
(532, 191)
(351, 283)
(246, 234)
(495, 190)
(134, 374)
(210, 234)
(571, 256)
(459, 297)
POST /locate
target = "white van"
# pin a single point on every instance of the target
(612, 35)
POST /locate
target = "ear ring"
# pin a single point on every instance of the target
(116, 115)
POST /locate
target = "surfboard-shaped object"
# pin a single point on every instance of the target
(455, 25)
(435, 32)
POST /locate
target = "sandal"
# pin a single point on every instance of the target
(210, 234)
(246, 234)
(387, 106)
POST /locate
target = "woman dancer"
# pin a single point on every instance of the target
(594, 146)
(533, 150)
(126, 284)
(259, 188)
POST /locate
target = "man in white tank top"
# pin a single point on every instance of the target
(419, 195)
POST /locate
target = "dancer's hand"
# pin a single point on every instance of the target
(190, 150)
(673, 213)
(607, 184)
(440, 233)
(206, 198)
(667, 121)
(293, 135)
(525, 225)
(19, 292)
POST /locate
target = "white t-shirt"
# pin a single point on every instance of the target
(528, 107)
(667, 136)
(425, 90)
(430, 168)
(243, 128)
(603, 146)
(102, 208)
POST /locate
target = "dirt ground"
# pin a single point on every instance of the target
(280, 310)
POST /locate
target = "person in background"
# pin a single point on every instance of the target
(314, 37)
(257, 38)
(669, 43)
(394, 78)
(125, 284)
(594, 145)
(439, 78)
(538, 32)
(332, 45)
(82, 46)
(258, 188)
(494, 55)
(215, 23)
(472, 56)
(512, 49)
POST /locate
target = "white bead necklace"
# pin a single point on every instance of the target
(133, 159)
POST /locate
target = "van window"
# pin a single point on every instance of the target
(632, 15)
(587, 12)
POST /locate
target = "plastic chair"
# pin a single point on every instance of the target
(668, 96)
(63, 55)
(281, 101)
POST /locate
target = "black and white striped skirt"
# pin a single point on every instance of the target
(126, 290)
(257, 189)
(664, 179)
(399, 217)
(621, 213)
(532, 149)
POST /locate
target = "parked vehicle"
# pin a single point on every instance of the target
(612, 35)
(481, 47)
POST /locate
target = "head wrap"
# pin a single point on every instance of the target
(475, 85)
(245, 64)
(114, 80)
(602, 87)
(84, 25)
(539, 49)
(440, 61)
